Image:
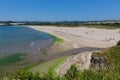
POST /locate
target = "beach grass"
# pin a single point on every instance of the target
(11, 59)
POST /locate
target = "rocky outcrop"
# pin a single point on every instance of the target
(98, 62)
(82, 60)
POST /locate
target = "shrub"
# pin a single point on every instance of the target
(26, 75)
(72, 73)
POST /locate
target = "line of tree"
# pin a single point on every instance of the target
(64, 23)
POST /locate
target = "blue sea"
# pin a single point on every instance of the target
(20, 39)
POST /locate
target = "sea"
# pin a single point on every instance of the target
(21, 39)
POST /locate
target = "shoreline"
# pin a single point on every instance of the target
(82, 36)
(77, 39)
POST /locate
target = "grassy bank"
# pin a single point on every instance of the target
(113, 56)
(112, 60)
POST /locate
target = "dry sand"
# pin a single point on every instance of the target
(81, 37)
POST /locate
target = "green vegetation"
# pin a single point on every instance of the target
(43, 68)
(25, 75)
(113, 56)
(90, 24)
(111, 24)
(57, 45)
(97, 24)
(101, 26)
(111, 73)
(54, 67)
(11, 59)
(57, 39)
(72, 74)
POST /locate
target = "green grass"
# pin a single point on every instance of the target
(96, 75)
(11, 59)
(113, 56)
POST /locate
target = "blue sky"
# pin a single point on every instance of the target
(59, 10)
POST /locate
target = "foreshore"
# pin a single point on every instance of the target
(83, 37)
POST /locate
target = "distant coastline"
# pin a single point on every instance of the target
(97, 24)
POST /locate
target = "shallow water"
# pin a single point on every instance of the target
(20, 39)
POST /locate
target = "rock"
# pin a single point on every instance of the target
(81, 60)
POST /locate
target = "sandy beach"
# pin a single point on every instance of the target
(82, 36)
